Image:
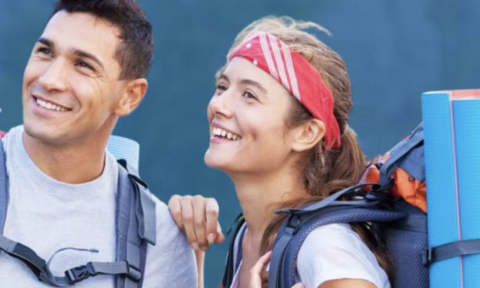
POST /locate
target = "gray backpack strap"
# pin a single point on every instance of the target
(136, 225)
(3, 187)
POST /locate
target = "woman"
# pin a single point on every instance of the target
(278, 127)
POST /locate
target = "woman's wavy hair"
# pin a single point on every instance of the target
(325, 171)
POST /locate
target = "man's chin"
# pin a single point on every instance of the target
(45, 136)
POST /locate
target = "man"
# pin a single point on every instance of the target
(86, 70)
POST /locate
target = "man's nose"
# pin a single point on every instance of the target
(54, 78)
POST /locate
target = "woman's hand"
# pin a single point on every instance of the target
(197, 216)
(256, 279)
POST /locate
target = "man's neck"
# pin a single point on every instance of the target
(73, 163)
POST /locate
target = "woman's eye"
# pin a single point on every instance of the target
(249, 95)
(221, 87)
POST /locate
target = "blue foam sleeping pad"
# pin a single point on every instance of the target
(452, 162)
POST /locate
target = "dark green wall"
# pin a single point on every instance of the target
(395, 50)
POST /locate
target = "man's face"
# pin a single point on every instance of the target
(70, 86)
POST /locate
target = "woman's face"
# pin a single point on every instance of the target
(247, 121)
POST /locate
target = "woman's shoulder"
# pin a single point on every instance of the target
(335, 251)
(334, 234)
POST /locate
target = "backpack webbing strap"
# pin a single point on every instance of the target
(3, 187)
(40, 267)
(25, 254)
(454, 249)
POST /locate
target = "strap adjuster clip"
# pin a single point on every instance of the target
(133, 272)
(80, 273)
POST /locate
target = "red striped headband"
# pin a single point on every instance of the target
(298, 76)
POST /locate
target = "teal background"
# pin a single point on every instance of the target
(395, 50)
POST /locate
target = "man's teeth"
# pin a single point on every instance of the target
(50, 106)
(222, 133)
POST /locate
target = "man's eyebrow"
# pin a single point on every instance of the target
(80, 53)
(46, 42)
(84, 54)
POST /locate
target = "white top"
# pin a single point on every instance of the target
(335, 251)
(48, 215)
(331, 252)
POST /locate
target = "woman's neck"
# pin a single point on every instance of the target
(261, 195)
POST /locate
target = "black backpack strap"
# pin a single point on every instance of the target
(300, 223)
(136, 224)
(449, 250)
(230, 265)
(3, 187)
(332, 200)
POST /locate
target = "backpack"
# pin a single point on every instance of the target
(135, 228)
(392, 201)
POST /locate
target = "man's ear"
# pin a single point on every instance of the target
(132, 94)
(307, 135)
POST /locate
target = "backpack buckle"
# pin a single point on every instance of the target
(427, 256)
(293, 224)
(80, 273)
(133, 272)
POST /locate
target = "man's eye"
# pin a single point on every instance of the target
(84, 65)
(44, 50)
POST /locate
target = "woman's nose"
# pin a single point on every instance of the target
(221, 105)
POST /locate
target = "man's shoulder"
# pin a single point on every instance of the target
(167, 226)
(164, 217)
(171, 260)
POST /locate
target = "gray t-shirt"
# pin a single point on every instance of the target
(48, 215)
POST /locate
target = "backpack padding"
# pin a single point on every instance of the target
(3, 187)
(406, 242)
(296, 228)
(332, 201)
(131, 243)
(145, 206)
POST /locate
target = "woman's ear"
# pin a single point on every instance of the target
(307, 135)
(132, 94)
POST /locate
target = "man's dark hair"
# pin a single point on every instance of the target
(135, 52)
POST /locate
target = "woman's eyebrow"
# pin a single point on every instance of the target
(254, 83)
